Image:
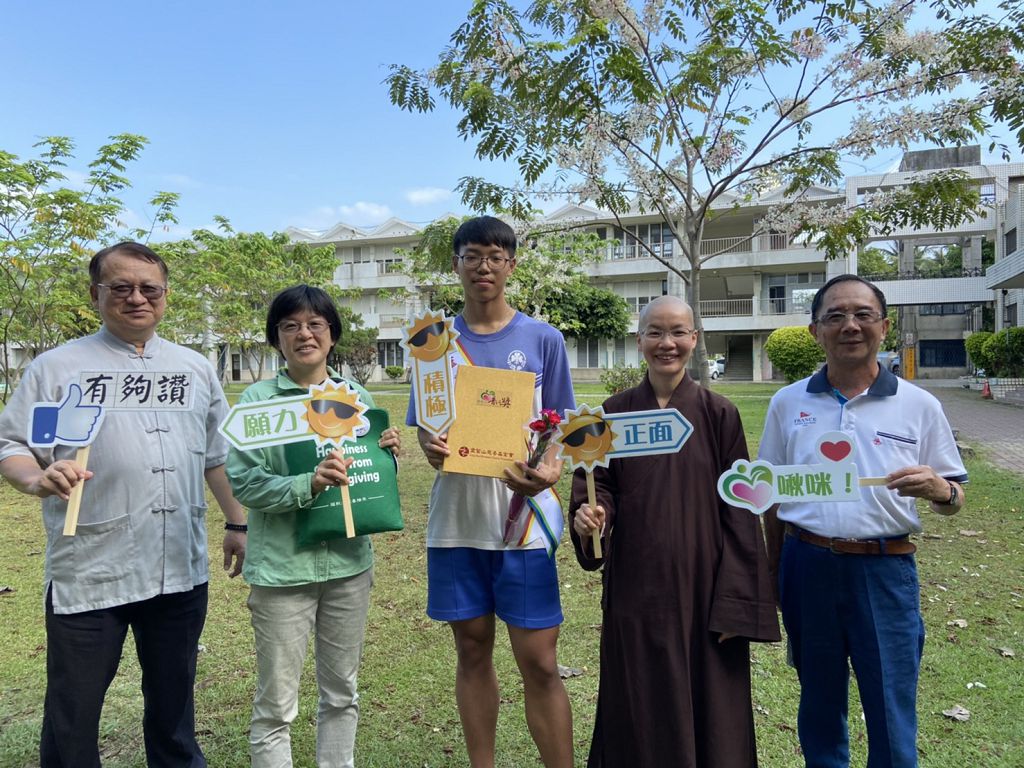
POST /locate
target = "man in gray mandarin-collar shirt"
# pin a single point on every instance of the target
(139, 556)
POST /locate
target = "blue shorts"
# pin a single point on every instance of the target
(520, 586)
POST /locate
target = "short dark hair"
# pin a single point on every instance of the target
(485, 230)
(300, 298)
(819, 297)
(129, 248)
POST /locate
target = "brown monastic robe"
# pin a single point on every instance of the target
(680, 567)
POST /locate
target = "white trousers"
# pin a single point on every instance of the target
(282, 619)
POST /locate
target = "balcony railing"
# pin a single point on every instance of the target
(727, 307)
(745, 307)
(915, 274)
(770, 241)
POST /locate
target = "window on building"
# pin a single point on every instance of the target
(1010, 315)
(942, 353)
(1011, 241)
(389, 353)
(657, 238)
(988, 193)
(390, 263)
(620, 351)
(588, 353)
(944, 309)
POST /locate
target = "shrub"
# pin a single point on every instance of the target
(623, 377)
(1005, 352)
(974, 344)
(394, 372)
(794, 352)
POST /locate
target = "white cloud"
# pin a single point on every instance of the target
(179, 180)
(360, 214)
(427, 195)
(75, 179)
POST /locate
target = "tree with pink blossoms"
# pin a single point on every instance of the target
(687, 108)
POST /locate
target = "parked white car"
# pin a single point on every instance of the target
(716, 367)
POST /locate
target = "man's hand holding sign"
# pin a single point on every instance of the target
(68, 423)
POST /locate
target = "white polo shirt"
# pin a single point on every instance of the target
(894, 424)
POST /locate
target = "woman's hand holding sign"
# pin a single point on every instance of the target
(331, 472)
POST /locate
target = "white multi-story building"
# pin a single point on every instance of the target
(758, 283)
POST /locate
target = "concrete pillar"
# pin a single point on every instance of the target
(971, 250)
(757, 353)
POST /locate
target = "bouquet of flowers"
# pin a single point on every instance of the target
(541, 432)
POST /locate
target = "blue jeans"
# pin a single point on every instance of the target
(860, 610)
(83, 651)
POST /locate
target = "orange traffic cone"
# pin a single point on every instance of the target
(986, 390)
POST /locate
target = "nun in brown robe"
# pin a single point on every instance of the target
(686, 584)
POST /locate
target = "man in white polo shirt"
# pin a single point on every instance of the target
(847, 579)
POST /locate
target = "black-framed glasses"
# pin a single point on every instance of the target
(577, 436)
(291, 327)
(420, 337)
(657, 334)
(473, 260)
(339, 409)
(124, 290)
(860, 317)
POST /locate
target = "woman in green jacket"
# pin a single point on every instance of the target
(295, 590)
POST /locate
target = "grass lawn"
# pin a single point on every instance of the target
(972, 594)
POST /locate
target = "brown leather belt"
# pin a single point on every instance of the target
(896, 546)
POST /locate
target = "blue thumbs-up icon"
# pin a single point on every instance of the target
(69, 423)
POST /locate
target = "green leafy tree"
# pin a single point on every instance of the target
(357, 348)
(794, 352)
(877, 263)
(224, 281)
(684, 108)
(975, 346)
(1004, 351)
(585, 311)
(48, 232)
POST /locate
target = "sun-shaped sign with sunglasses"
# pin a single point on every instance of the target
(331, 414)
(589, 437)
(429, 340)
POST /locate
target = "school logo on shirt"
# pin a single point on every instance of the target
(516, 360)
(804, 420)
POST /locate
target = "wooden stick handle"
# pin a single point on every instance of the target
(75, 499)
(595, 537)
(872, 481)
(346, 504)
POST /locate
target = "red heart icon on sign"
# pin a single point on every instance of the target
(836, 451)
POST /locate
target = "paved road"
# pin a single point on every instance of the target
(995, 427)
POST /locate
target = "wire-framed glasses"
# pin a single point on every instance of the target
(860, 317)
(124, 290)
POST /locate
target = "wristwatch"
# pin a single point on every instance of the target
(954, 494)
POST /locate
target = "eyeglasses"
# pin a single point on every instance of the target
(472, 261)
(656, 334)
(577, 436)
(860, 317)
(290, 327)
(420, 337)
(124, 290)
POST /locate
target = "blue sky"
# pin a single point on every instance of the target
(268, 113)
(271, 114)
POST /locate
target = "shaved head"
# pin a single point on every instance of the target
(672, 303)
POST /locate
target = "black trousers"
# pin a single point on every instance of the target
(83, 651)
